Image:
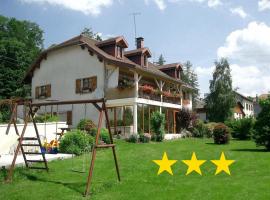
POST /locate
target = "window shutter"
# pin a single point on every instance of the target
(93, 83)
(69, 117)
(48, 91)
(37, 92)
(78, 86)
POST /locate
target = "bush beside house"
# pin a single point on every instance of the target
(76, 142)
(157, 122)
(86, 124)
(241, 129)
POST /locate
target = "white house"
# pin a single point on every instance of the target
(244, 107)
(83, 68)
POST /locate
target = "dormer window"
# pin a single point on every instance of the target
(114, 46)
(119, 52)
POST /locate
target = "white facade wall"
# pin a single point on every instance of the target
(247, 105)
(61, 69)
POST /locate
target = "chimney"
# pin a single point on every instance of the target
(139, 42)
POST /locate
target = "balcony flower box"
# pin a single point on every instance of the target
(125, 82)
(147, 89)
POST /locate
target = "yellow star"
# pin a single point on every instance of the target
(223, 164)
(165, 164)
(194, 164)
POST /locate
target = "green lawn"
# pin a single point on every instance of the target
(250, 177)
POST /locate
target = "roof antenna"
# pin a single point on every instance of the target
(134, 14)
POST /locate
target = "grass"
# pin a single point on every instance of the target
(250, 177)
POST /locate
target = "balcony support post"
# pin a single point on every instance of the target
(137, 78)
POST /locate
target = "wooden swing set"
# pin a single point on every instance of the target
(30, 117)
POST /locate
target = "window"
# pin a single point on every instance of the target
(145, 61)
(86, 85)
(119, 52)
(42, 92)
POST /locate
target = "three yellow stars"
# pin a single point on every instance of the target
(194, 164)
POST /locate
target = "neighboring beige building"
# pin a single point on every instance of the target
(83, 68)
(244, 108)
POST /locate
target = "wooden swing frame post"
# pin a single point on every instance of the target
(31, 115)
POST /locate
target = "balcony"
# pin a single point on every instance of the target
(169, 97)
(174, 100)
(148, 92)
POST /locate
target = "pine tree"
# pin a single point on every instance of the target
(190, 77)
(161, 60)
(88, 32)
(221, 100)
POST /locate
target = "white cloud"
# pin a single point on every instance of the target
(250, 45)
(250, 80)
(204, 71)
(248, 50)
(210, 3)
(161, 4)
(239, 11)
(88, 7)
(214, 3)
(263, 5)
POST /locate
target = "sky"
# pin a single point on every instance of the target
(201, 31)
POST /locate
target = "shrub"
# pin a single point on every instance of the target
(46, 118)
(104, 134)
(241, 129)
(145, 138)
(133, 138)
(4, 113)
(128, 116)
(157, 121)
(221, 134)
(199, 129)
(86, 124)
(262, 125)
(183, 119)
(75, 142)
(210, 128)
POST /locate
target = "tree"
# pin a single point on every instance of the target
(221, 100)
(161, 60)
(88, 32)
(20, 43)
(262, 125)
(190, 77)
